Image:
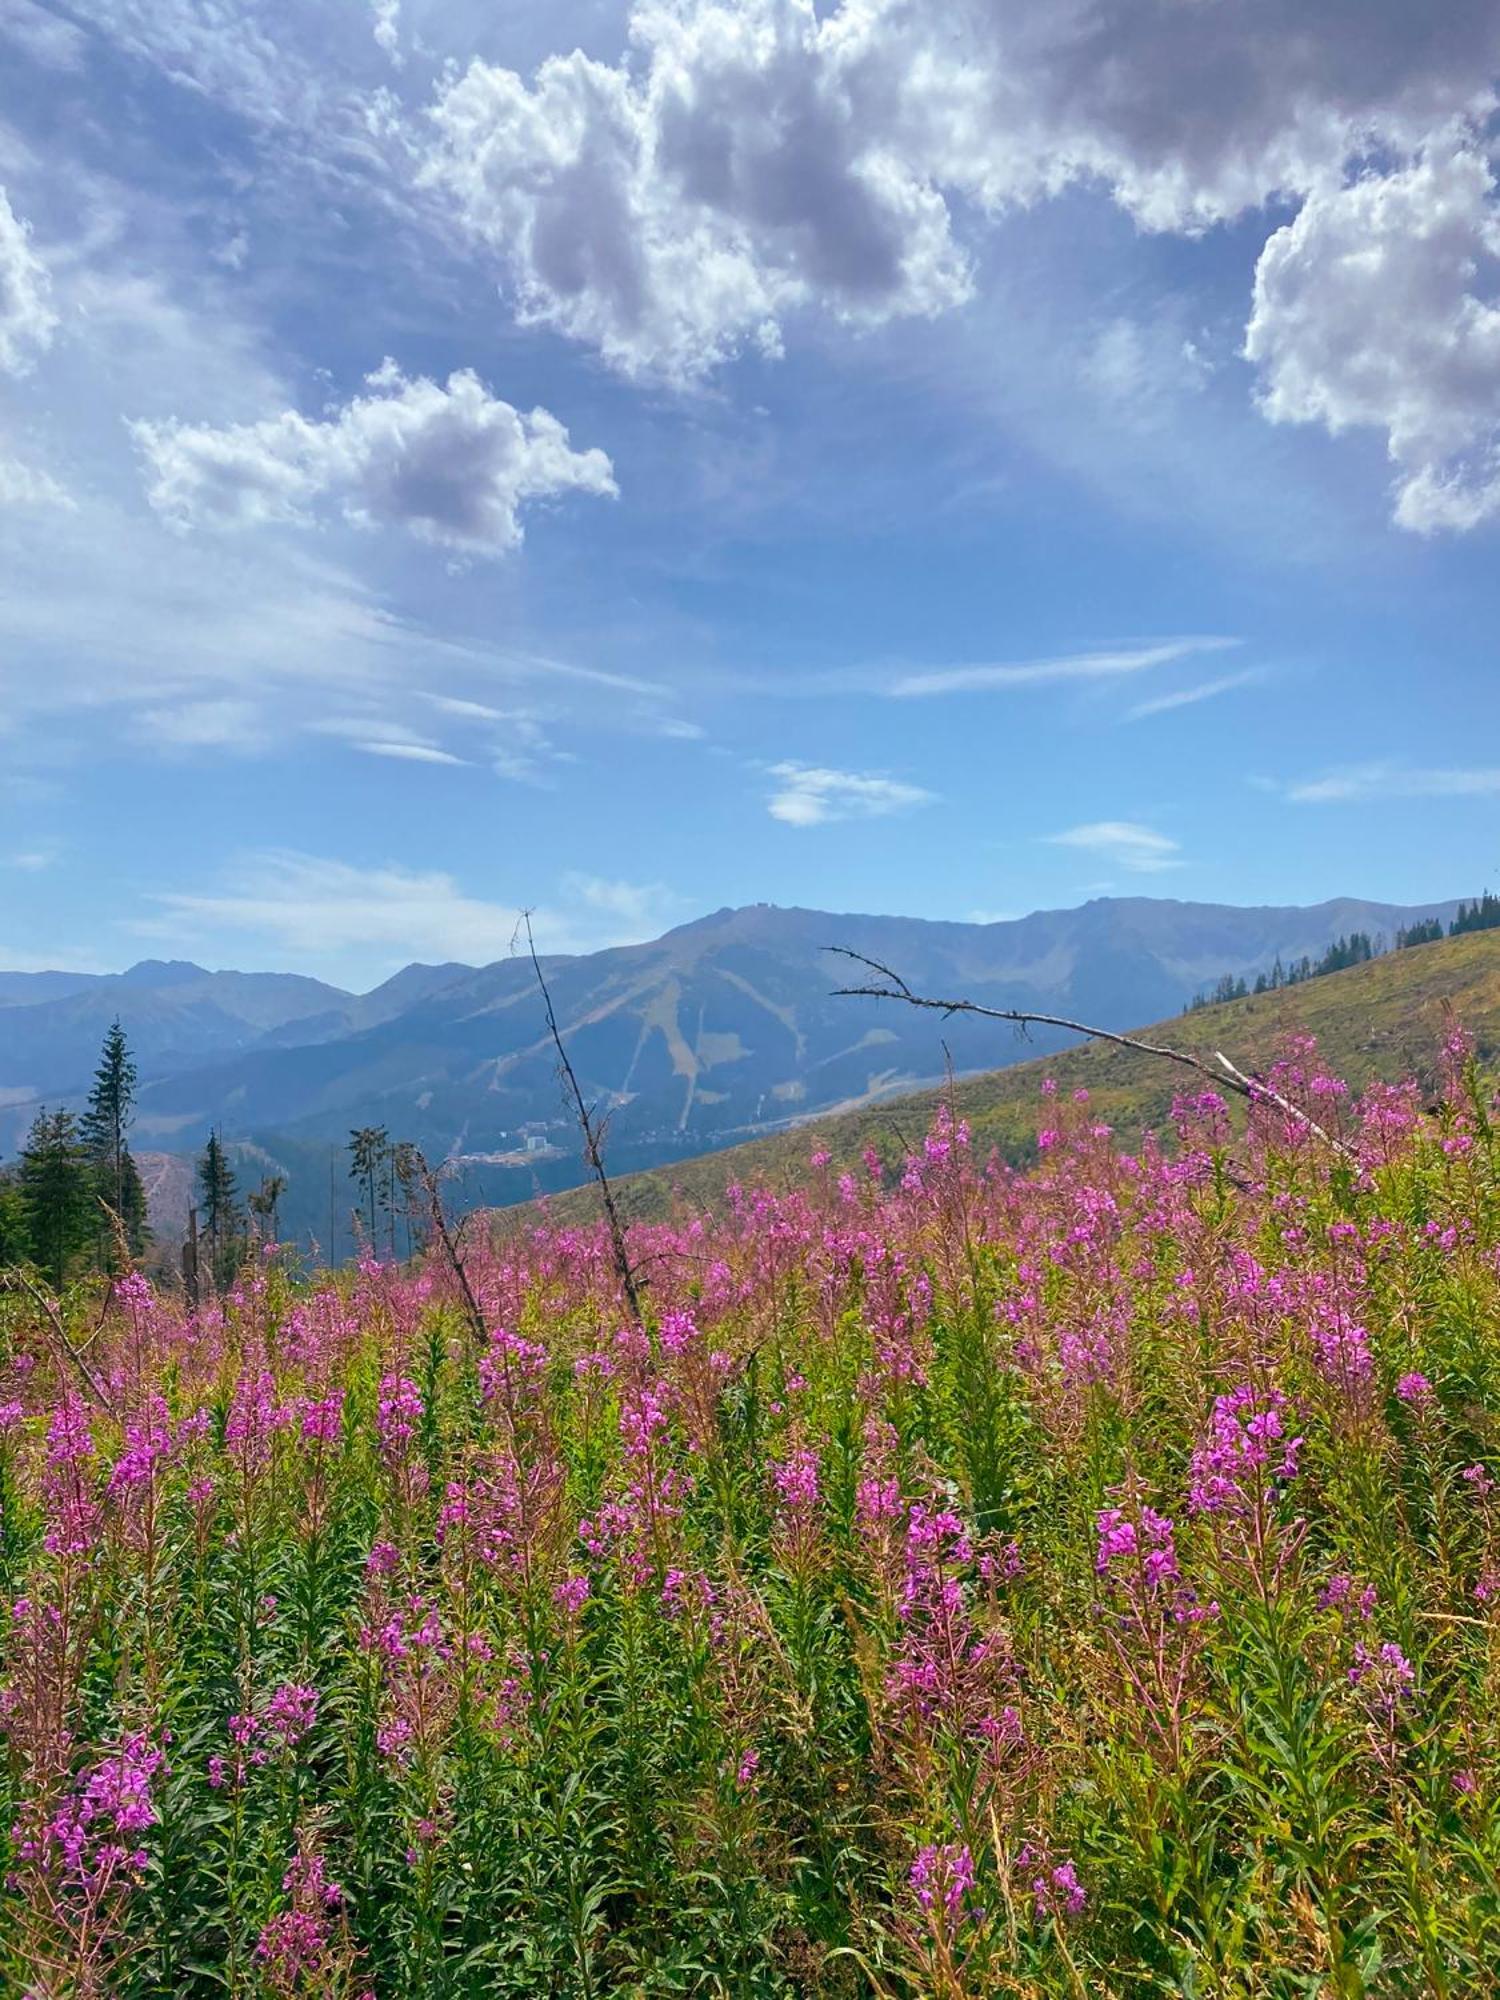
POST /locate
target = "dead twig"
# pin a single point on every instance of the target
(592, 1129)
(437, 1215)
(1225, 1075)
(74, 1356)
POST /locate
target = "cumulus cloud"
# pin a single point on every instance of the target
(1193, 114)
(745, 162)
(671, 209)
(450, 463)
(26, 316)
(1122, 841)
(811, 795)
(1377, 306)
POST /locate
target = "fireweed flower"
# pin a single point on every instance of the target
(1417, 1390)
(1146, 1542)
(73, 1514)
(291, 1712)
(942, 1877)
(1055, 1888)
(398, 1413)
(93, 1836)
(1248, 1454)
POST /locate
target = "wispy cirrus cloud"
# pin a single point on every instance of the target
(1189, 697)
(813, 795)
(1126, 843)
(1355, 783)
(1106, 664)
(378, 736)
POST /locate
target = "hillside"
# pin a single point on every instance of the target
(1380, 1020)
(722, 1030)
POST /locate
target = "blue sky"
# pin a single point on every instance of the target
(626, 460)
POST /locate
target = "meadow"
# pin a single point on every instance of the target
(958, 1582)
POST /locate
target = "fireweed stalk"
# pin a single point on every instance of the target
(966, 1581)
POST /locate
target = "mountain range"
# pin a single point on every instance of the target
(722, 1029)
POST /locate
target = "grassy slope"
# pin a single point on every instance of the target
(1381, 1020)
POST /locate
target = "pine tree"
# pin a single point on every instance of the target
(56, 1194)
(117, 1180)
(1483, 914)
(219, 1197)
(15, 1238)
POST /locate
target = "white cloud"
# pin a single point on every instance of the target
(811, 795)
(1360, 782)
(29, 486)
(1377, 307)
(1123, 842)
(335, 914)
(1189, 697)
(674, 208)
(452, 464)
(1104, 665)
(410, 753)
(641, 908)
(27, 319)
(745, 160)
(226, 724)
(386, 28)
(45, 38)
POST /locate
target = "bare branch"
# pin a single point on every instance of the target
(73, 1355)
(1225, 1075)
(593, 1130)
(438, 1216)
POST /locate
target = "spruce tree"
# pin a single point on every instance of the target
(15, 1238)
(219, 1198)
(103, 1131)
(56, 1194)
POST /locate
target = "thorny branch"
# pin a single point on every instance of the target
(592, 1129)
(1225, 1075)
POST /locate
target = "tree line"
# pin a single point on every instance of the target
(74, 1204)
(75, 1200)
(1358, 948)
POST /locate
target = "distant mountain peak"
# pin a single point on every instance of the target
(158, 972)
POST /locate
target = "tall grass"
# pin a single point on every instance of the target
(965, 1584)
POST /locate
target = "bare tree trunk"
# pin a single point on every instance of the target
(593, 1130)
(190, 1260)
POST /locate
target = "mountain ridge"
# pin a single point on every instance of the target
(725, 1027)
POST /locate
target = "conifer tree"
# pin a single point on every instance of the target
(56, 1194)
(219, 1198)
(103, 1130)
(15, 1241)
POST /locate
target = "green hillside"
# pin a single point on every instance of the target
(1380, 1020)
